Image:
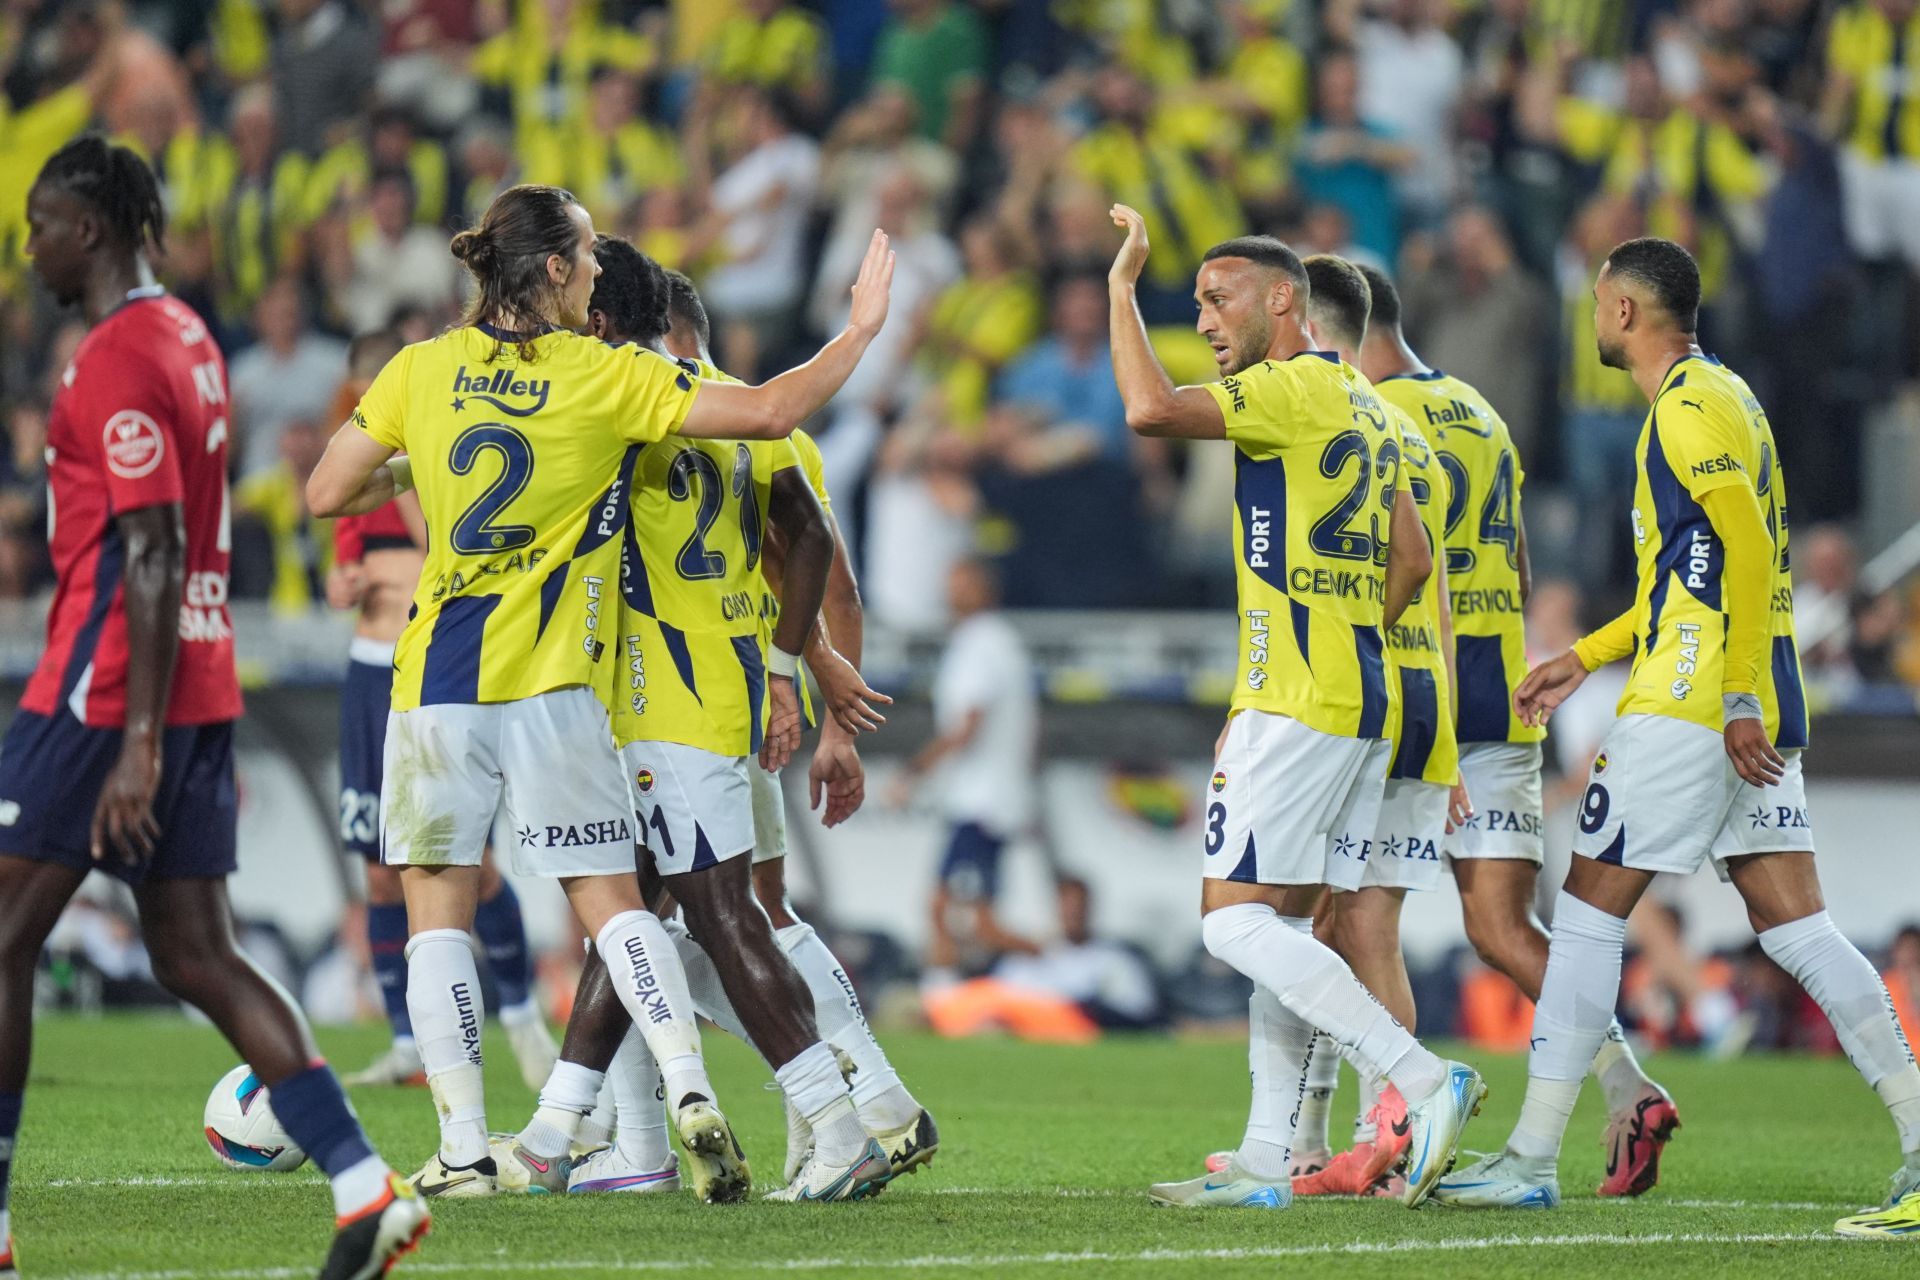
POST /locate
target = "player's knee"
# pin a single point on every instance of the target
(1494, 939)
(190, 971)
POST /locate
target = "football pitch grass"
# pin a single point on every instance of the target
(1046, 1153)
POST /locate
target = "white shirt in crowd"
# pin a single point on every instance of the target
(270, 390)
(1410, 83)
(766, 197)
(989, 781)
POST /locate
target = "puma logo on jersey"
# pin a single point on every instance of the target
(502, 383)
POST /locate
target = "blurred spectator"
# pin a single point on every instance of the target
(324, 59)
(872, 138)
(281, 552)
(1669, 995)
(1902, 977)
(1872, 103)
(1188, 204)
(542, 63)
(937, 50)
(252, 206)
(758, 225)
(1473, 309)
(1556, 617)
(986, 736)
(1601, 410)
(979, 322)
(1062, 386)
(1350, 161)
(1412, 76)
(1068, 992)
(775, 45)
(423, 58)
(617, 156)
(389, 144)
(397, 263)
(23, 501)
(291, 372)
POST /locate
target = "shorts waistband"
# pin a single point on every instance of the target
(370, 652)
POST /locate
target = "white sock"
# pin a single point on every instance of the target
(570, 1093)
(519, 1015)
(1364, 1128)
(1856, 1002)
(1618, 1071)
(597, 1128)
(813, 1080)
(883, 1102)
(1570, 1023)
(651, 984)
(354, 1188)
(1316, 985)
(639, 1100)
(443, 999)
(1278, 1047)
(1316, 1104)
(703, 983)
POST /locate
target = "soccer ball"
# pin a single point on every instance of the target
(242, 1129)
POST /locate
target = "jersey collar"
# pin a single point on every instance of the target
(144, 293)
(1431, 375)
(495, 332)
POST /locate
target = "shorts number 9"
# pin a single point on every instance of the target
(1593, 809)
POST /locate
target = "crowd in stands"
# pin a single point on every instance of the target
(316, 153)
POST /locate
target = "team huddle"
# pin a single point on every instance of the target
(589, 567)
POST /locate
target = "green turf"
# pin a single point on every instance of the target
(1044, 1157)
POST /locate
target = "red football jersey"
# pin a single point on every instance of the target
(381, 529)
(140, 420)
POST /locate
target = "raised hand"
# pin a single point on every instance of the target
(1132, 258)
(872, 288)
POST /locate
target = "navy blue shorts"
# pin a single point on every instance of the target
(971, 867)
(53, 767)
(365, 698)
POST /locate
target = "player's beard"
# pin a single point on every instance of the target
(1249, 345)
(1613, 355)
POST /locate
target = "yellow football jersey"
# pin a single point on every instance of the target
(1420, 717)
(1705, 430)
(692, 667)
(522, 469)
(1316, 465)
(1483, 548)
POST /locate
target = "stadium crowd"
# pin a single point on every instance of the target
(316, 153)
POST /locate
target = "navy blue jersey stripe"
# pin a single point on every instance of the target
(1480, 665)
(1419, 723)
(107, 568)
(747, 648)
(1368, 652)
(1260, 492)
(1788, 695)
(676, 641)
(450, 672)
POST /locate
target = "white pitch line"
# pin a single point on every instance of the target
(1001, 1261)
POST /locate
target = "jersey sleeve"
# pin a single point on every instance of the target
(1261, 406)
(816, 467)
(128, 406)
(652, 395)
(349, 541)
(1700, 441)
(382, 412)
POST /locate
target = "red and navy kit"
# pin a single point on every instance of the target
(381, 529)
(140, 421)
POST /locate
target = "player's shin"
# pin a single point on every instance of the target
(1569, 1024)
(10, 1102)
(703, 983)
(1278, 1047)
(652, 986)
(1855, 1000)
(315, 1114)
(883, 1102)
(569, 1095)
(1310, 1135)
(814, 1083)
(639, 1100)
(443, 996)
(387, 944)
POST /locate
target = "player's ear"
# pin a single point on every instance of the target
(1280, 296)
(597, 323)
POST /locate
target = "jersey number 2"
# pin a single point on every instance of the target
(474, 533)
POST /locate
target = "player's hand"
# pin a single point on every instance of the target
(1547, 686)
(872, 288)
(838, 775)
(1132, 258)
(346, 586)
(1754, 758)
(783, 724)
(123, 822)
(849, 700)
(1459, 807)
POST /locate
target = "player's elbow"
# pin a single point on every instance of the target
(1413, 557)
(770, 416)
(327, 497)
(1148, 417)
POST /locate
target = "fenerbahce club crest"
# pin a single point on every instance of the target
(1600, 764)
(644, 781)
(1219, 781)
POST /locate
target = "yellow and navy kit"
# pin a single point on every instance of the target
(522, 468)
(1882, 61)
(692, 665)
(1704, 431)
(1316, 467)
(1420, 721)
(1482, 528)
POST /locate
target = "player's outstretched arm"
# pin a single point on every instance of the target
(770, 411)
(155, 539)
(356, 474)
(1155, 407)
(1409, 557)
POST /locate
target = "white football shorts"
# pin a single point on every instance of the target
(1291, 805)
(769, 816)
(1405, 851)
(1662, 796)
(549, 759)
(1503, 782)
(694, 808)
